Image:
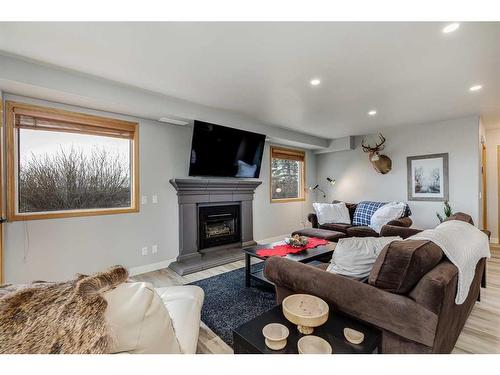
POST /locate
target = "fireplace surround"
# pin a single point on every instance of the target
(203, 199)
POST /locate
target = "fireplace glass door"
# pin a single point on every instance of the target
(218, 225)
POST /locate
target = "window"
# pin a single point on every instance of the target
(63, 164)
(287, 175)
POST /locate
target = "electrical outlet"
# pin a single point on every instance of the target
(154, 199)
(144, 199)
(154, 249)
(144, 251)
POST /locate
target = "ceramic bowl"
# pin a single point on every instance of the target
(275, 335)
(306, 311)
(354, 336)
(313, 345)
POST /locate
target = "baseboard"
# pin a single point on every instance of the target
(132, 271)
(494, 240)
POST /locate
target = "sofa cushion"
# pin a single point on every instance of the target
(332, 213)
(354, 257)
(462, 217)
(328, 235)
(138, 320)
(364, 212)
(350, 206)
(401, 264)
(337, 227)
(385, 214)
(362, 231)
(184, 303)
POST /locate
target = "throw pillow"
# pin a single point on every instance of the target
(246, 170)
(386, 213)
(403, 263)
(354, 257)
(364, 212)
(329, 213)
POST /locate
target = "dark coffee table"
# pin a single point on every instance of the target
(306, 256)
(248, 338)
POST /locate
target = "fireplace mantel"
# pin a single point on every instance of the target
(213, 186)
(195, 192)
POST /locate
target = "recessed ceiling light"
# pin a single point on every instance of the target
(372, 112)
(315, 82)
(475, 88)
(451, 27)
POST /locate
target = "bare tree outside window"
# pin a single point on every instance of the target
(63, 164)
(62, 171)
(286, 178)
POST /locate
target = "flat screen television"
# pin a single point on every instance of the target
(219, 151)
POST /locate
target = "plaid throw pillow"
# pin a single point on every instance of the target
(364, 212)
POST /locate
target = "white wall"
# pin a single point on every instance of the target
(357, 180)
(58, 248)
(492, 143)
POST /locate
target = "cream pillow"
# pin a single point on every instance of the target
(329, 213)
(386, 213)
(138, 321)
(354, 257)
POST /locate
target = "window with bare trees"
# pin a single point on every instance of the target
(287, 175)
(63, 164)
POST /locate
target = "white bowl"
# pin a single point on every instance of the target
(353, 336)
(313, 345)
(276, 335)
(306, 311)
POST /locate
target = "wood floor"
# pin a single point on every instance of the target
(481, 333)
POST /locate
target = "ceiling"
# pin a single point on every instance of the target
(411, 73)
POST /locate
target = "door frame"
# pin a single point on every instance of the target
(498, 187)
(484, 182)
(2, 209)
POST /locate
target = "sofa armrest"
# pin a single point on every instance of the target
(396, 313)
(431, 288)
(393, 230)
(487, 232)
(405, 222)
(313, 219)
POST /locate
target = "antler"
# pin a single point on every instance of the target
(378, 146)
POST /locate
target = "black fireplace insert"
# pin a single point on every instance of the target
(218, 225)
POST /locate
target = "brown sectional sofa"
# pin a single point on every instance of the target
(355, 231)
(409, 296)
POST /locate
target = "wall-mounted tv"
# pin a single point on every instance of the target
(219, 151)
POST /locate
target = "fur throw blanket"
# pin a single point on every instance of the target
(65, 317)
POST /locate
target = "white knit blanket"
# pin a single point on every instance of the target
(464, 245)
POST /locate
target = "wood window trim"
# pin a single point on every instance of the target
(291, 154)
(13, 108)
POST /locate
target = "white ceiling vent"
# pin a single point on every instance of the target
(173, 121)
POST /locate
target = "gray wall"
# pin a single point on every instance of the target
(356, 179)
(271, 219)
(58, 248)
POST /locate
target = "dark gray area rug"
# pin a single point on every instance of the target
(228, 303)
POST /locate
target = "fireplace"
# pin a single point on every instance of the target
(215, 221)
(218, 225)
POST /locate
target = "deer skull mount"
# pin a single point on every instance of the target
(381, 163)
